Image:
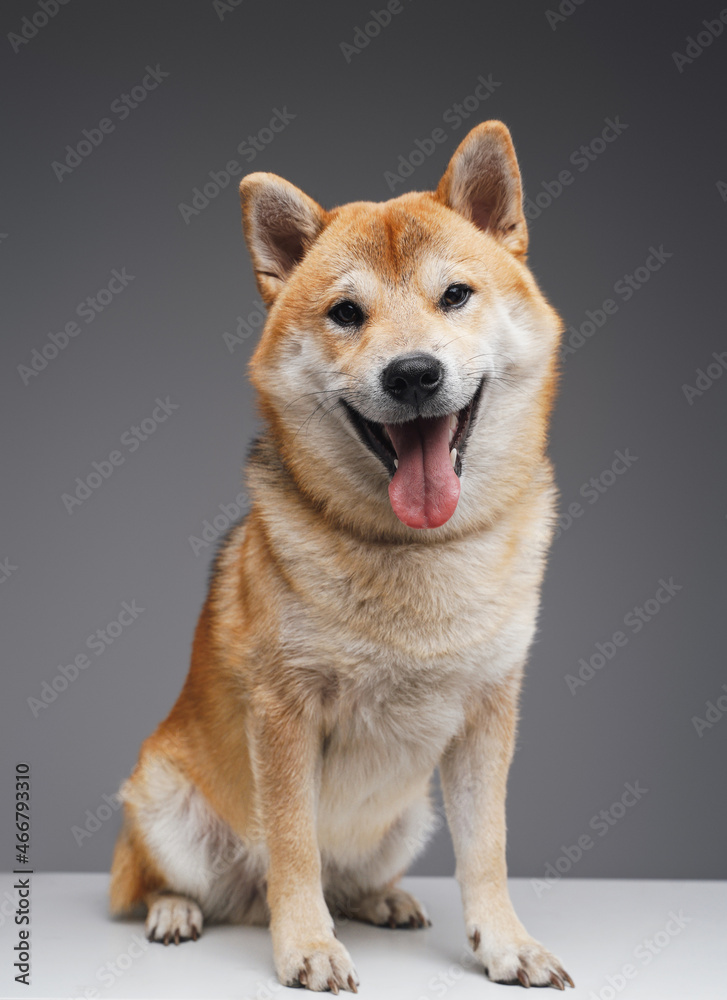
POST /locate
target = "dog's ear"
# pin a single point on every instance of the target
(280, 223)
(482, 183)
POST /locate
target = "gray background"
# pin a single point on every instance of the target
(163, 336)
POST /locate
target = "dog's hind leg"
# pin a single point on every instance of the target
(390, 906)
(177, 857)
(370, 892)
(136, 881)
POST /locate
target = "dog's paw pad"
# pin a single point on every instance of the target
(322, 967)
(525, 962)
(173, 919)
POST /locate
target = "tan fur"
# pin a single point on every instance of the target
(341, 655)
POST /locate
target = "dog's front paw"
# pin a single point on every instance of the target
(518, 960)
(318, 965)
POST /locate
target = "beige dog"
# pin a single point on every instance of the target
(370, 618)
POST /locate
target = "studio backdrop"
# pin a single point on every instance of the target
(131, 313)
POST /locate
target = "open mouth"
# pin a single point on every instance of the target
(424, 457)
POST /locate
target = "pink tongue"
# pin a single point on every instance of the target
(425, 488)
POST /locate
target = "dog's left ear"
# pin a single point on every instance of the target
(280, 224)
(482, 183)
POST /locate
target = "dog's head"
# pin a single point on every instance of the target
(408, 359)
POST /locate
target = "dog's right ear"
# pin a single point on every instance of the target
(280, 224)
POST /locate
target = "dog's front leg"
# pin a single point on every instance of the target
(474, 776)
(286, 753)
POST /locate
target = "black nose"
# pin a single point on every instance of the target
(412, 378)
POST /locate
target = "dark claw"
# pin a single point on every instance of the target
(392, 921)
(476, 940)
(524, 978)
(167, 937)
(564, 975)
(195, 933)
(176, 936)
(351, 983)
(414, 921)
(557, 981)
(152, 932)
(333, 986)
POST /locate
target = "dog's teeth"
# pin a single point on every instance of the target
(453, 424)
(396, 463)
(453, 456)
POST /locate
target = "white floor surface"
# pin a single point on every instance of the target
(617, 939)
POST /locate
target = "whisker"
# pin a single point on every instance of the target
(356, 378)
(489, 354)
(318, 392)
(441, 347)
(329, 410)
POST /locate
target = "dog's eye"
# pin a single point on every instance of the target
(456, 295)
(346, 313)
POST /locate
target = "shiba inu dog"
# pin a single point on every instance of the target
(370, 618)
